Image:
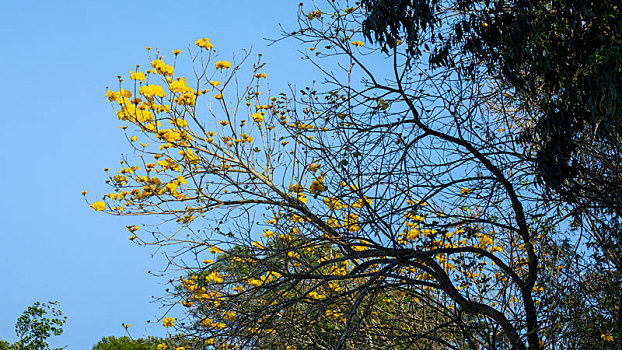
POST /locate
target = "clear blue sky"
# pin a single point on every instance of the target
(59, 132)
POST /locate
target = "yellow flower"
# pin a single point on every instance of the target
(257, 244)
(260, 75)
(332, 222)
(178, 122)
(302, 197)
(161, 346)
(138, 76)
(84, 193)
(214, 277)
(361, 202)
(352, 187)
(176, 52)
(485, 241)
(333, 203)
(223, 65)
(359, 248)
(187, 99)
(162, 67)
(125, 93)
(257, 117)
(99, 206)
(215, 250)
(152, 90)
(313, 167)
(357, 43)
(465, 190)
(189, 156)
(268, 234)
(204, 43)
(351, 222)
(112, 95)
(133, 138)
(317, 185)
(168, 322)
(214, 83)
(229, 315)
(218, 96)
(180, 86)
(413, 217)
(607, 336)
(413, 234)
(428, 232)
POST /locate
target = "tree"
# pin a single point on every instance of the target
(393, 183)
(176, 342)
(126, 343)
(33, 328)
(561, 60)
(389, 323)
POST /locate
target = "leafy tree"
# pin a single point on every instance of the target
(389, 208)
(33, 328)
(561, 60)
(176, 342)
(126, 343)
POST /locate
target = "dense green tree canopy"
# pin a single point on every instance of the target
(562, 58)
(126, 343)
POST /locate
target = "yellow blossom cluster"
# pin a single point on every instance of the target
(149, 91)
(317, 185)
(138, 76)
(223, 65)
(168, 322)
(162, 68)
(204, 43)
(98, 206)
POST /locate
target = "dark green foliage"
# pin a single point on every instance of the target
(149, 343)
(389, 20)
(563, 60)
(33, 328)
(125, 343)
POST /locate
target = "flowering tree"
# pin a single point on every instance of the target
(392, 208)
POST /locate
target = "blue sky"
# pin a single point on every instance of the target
(59, 132)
